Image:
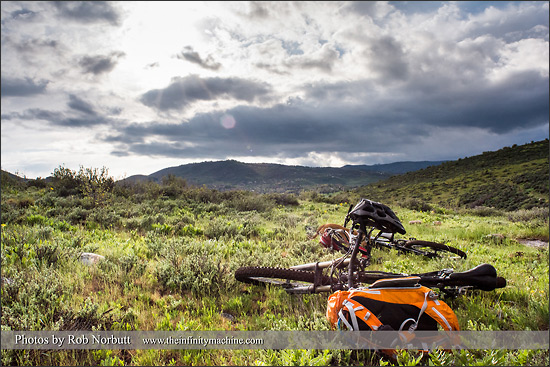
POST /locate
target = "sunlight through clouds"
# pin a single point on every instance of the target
(138, 86)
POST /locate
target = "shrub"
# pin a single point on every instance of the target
(173, 186)
(484, 211)
(34, 219)
(246, 201)
(77, 215)
(33, 300)
(104, 217)
(65, 181)
(284, 199)
(92, 183)
(200, 272)
(527, 215)
(163, 228)
(23, 202)
(416, 204)
(220, 227)
(188, 230)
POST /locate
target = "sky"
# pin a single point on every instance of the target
(140, 86)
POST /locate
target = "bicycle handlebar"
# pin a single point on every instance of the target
(483, 277)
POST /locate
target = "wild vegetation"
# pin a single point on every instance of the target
(171, 250)
(511, 178)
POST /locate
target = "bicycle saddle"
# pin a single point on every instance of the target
(483, 276)
(377, 215)
(483, 270)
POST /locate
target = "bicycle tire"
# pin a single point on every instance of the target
(289, 279)
(433, 249)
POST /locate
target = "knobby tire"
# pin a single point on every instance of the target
(248, 275)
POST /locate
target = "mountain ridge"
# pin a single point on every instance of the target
(273, 177)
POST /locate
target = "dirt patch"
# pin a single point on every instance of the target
(533, 243)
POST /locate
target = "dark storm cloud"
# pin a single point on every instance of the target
(80, 105)
(17, 87)
(346, 118)
(23, 14)
(385, 57)
(57, 118)
(80, 114)
(99, 64)
(88, 11)
(33, 46)
(519, 101)
(283, 130)
(183, 91)
(258, 10)
(192, 56)
(362, 7)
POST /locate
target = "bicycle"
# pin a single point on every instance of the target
(349, 272)
(337, 237)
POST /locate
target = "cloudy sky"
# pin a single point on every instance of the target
(141, 86)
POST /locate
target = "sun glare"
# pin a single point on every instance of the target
(153, 35)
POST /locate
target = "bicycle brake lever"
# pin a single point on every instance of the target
(446, 272)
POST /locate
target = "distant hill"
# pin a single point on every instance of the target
(266, 177)
(395, 168)
(511, 178)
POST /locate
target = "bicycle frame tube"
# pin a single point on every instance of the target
(320, 265)
(361, 233)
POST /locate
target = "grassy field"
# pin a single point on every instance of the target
(171, 251)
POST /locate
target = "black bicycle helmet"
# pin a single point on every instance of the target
(377, 215)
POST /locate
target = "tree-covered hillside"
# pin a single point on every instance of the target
(511, 178)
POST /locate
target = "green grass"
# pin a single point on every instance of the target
(151, 278)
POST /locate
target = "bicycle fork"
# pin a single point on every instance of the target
(361, 233)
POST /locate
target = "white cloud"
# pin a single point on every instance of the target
(395, 80)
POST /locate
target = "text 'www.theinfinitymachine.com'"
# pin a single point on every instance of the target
(204, 342)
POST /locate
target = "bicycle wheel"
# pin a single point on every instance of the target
(293, 281)
(434, 249)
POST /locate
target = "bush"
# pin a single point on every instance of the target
(527, 215)
(77, 215)
(191, 268)
(188, 230)
(92, 183)
(484, 211)
(104, 217)
(34, 219)
(284, 199)
(416, 204)
(33, 300)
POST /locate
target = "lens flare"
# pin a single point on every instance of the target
(228, 121)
